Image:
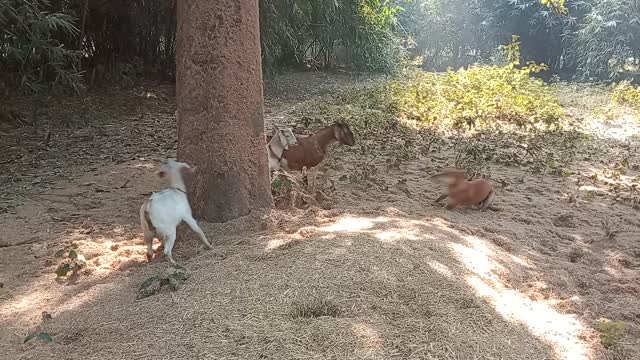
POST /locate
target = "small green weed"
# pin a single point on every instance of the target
(40, 335)
(611, 332)
(71, 263)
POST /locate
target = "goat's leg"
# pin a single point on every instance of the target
(147, 233)
(196, 228)
(148, 240)
(169, 240)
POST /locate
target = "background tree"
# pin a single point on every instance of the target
(220, 107)
(36, 48)
(608, 40)
(123, 42)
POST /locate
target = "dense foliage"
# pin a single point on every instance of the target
(627, 94)
(33, 54)
(327, 33)
(45, 43)
(480, 96)
(487, 113)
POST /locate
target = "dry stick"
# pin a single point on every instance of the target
(125, 184)
(24, 242)
(61, 195)
(55, 201)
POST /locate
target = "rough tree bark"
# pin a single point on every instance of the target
(220, 107)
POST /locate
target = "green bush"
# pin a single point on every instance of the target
(481, 96)
(626, 94)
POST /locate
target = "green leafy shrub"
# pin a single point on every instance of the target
(480, 96)
(626, 94)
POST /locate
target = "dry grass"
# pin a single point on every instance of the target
(381, 273)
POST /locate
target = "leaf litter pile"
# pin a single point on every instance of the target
(356, 263)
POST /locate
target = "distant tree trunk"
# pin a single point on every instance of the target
(220, 108)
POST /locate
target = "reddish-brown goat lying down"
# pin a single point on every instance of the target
(461, 192)
(310, 151)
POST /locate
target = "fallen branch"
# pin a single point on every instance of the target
(24, 242)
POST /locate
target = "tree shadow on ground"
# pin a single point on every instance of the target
(396, 288)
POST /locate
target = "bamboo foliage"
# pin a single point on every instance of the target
(51, 45)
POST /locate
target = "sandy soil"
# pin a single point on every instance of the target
(379, 272)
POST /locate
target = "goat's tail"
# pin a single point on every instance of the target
(145, 220)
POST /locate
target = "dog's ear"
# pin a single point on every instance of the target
(444, 178)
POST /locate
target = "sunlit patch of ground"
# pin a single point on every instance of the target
(483, 265)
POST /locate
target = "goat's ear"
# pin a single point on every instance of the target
(161, 174)
(283, 140)
(188, 169)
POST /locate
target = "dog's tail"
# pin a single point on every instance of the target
(488, 201)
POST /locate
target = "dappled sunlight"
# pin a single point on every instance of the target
(278, 242)
(488, 266)
(45, 294)
(98, 255)
(520, 261)
(587, 188)
(612, 271)
(621, 129)
(25, 301)
(440, 268)
(607, 176)
(393, 235)
(384, 229)
(370, 339)
(106, 254)
(476, 261)
(561, 330)
(617, 264)
(351, 224)
(478, 244)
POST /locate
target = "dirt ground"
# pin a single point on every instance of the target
(375, 273)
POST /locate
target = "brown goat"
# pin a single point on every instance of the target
(465, 193)
(310, 151)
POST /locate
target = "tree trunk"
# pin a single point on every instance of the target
(220, 108)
